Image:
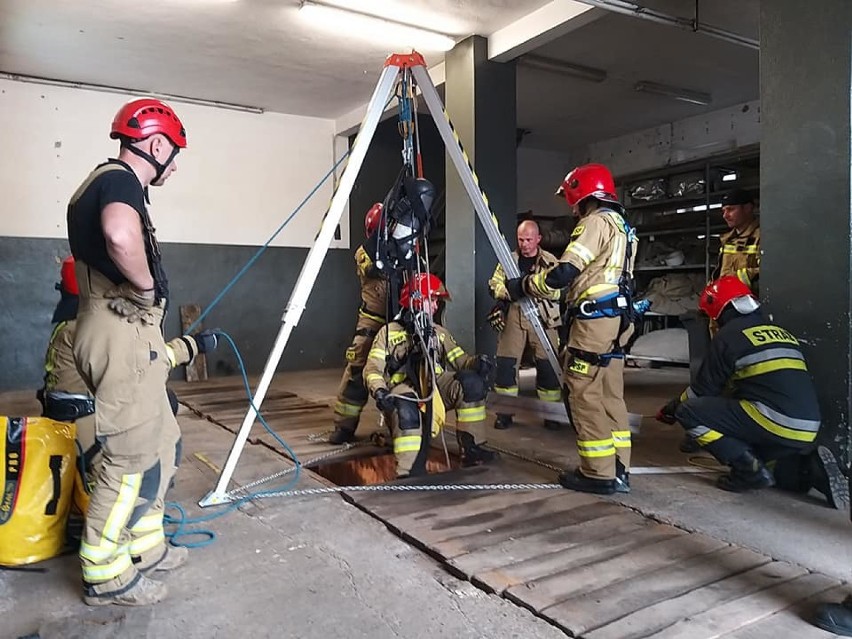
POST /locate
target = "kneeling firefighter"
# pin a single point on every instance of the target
(597, 270)
(405, 355)
(753, 403)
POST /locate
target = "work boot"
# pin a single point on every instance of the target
(552, 424)
(175, 557)
(578, 481)
(503, 421)
(472, 454)
(622, 478)
(836, 618)
(828, 479)
(144, 592)
(689, 445)
(747, 473)
(341, 436)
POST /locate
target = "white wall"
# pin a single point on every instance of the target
(240, 176)
(539, 175)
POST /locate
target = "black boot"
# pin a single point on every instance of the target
(622, 478)
(836, 618)
(747, 473)
(552, 424)
(473, 454)
(503, 421)
(341, 436)
(828, 479)
(579, 482)
(689, 445)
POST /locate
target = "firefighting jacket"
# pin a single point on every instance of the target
(549, 309)
(761, 365)
(388, 358)
(739, 255)
(374, 287)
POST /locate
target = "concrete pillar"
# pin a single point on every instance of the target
(480, 99)
(805, 71)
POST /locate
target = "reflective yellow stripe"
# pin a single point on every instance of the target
(170, 353)
(540, 288)
(709, 436)
(545, 394)
(454, 354)
(596, 448)
(105, 550)
(732, 249)
(377, 353)
(123, 506)
(768, 367)
(806, 434)
(598, 290)
(347, 410)
(369, 315)
(621, 438)
(98, 574)
(407, 444)
(373, 377)
(397, 378)
(511, 391)
(148, 523)
(742, 275)
(146, 542)
(579, 366)
(581, 251)
(473, 414)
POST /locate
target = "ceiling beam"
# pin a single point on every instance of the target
(535, 29)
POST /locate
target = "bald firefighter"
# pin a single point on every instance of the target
(352, 394)
(460, 378)
(122, 357)
(596, 268)
(514, 330)
(753, 403)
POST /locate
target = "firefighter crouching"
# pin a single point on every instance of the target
(753, 402)
(596, 268)
(392, 374)
(352, 394)
(514, 330)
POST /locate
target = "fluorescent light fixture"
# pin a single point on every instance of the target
(700, 207)
(677, 93)
(729, 177)
(559, 67)
(681, 211)
(343, 21)
(716, 206)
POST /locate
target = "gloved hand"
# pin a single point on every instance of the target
(515, 288)
(666, 414)
(206, 341)
(384, 401)
(131, 303)
(497, 316)
(484, 366)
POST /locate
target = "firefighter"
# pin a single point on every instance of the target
(596, 268)
(460, 378)
(739, 254)
(122, 357)
(753, 401)
(514, 330)
(65, 396)
(352, 394)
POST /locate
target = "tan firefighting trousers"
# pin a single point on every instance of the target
(125, 365)
(596, 397)
(470, 418)
(352, 394)
(510, 349)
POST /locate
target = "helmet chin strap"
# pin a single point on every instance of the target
(150, 159)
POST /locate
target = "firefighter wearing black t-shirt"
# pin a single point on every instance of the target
(122, 356)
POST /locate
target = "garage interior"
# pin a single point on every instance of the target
(682, 99)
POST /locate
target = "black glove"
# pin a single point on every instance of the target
(497, 316)
(384, 401)
(484, 366)
(206, 341)
(666, 414)
(515, 288)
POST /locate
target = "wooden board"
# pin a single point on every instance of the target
(197, 369)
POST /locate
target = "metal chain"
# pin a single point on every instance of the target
(381, 488)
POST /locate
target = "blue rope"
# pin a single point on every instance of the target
(181, 520)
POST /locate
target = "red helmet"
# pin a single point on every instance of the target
(372, 219)
(589, 180)
(424, 285)
(719, 293)
(142, 118)
(68, 282)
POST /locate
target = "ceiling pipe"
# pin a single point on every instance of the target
(638, 11)
(551, 65)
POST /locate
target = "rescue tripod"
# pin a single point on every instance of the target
(395, 65)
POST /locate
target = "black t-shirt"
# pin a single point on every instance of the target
(85, 234)
(526, 264)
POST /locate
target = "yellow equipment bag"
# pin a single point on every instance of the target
(37, 468)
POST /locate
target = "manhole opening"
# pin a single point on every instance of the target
(378, 469)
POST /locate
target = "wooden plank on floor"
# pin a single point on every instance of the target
(547, 591)
(664, 614)
(739, 613)
(197, 369)
(595, 608)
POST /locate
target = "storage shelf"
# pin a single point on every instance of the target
(682, 267)
(700, 198)
(682, 230)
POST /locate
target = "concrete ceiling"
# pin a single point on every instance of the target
(263, 53)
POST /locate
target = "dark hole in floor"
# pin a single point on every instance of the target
(378, 469)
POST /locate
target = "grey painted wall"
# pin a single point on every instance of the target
(250, 313)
